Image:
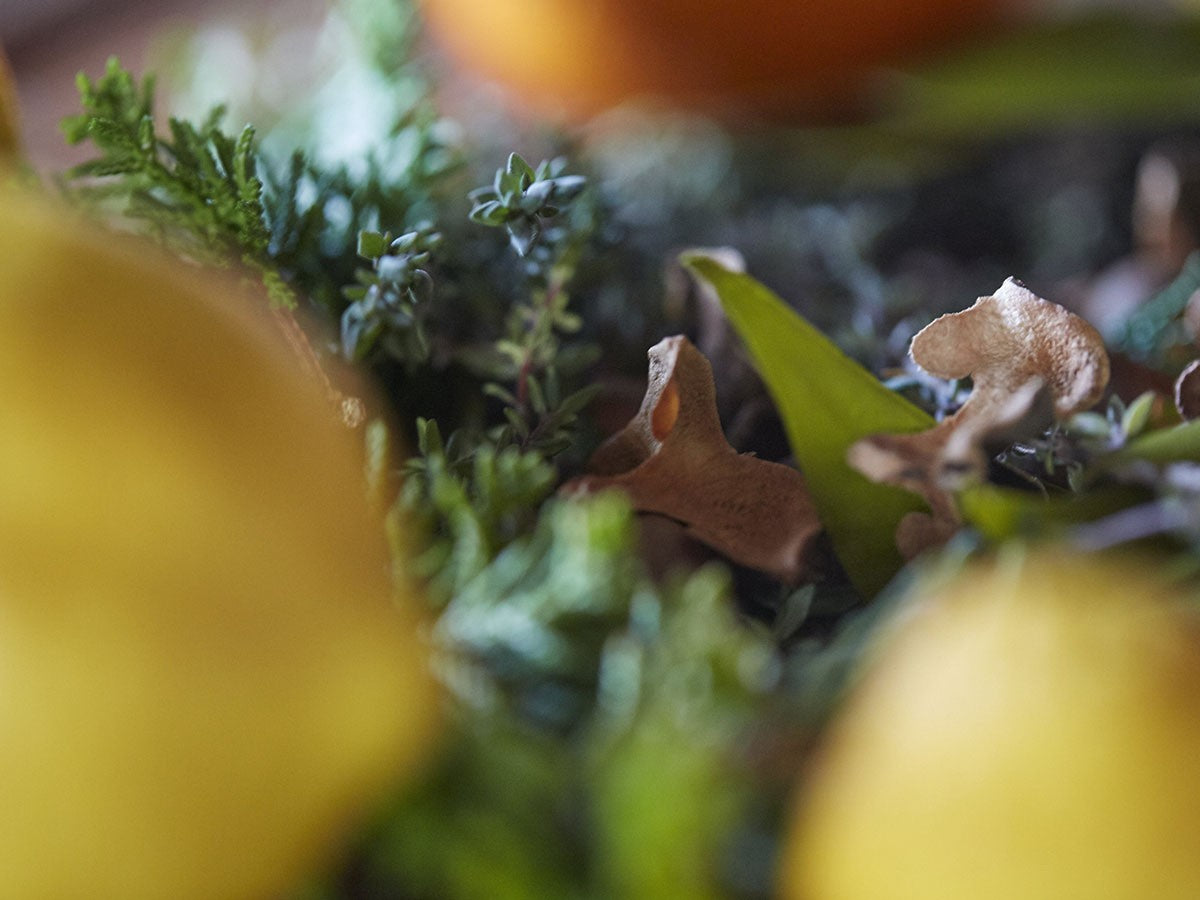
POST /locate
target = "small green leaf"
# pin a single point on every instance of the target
(405, 243)
(537, 399)
(568, 187)
(1000, 514)
(359, 332)
(512, 350)
(518, 167)
(106, 168)
(371, 244)
(1089, 424)
(568, 322)
(574, 403)
(1164, 445)
(481, 195)
(523, 234)
(519, 426)
(536, 196)
(1137, 415)
(393, 268)
(489, 212)
(491, 389)
(827, 402)
(793, 612)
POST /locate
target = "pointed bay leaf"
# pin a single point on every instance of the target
(827, 402)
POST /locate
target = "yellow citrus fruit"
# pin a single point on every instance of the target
(780, 57)
(205, 680)
(1031, 730)
(9, 130)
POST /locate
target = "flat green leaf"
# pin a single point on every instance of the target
(827, 402)
(1098, 68)
(1000, 514)
(1180, 443)
(1105, 67)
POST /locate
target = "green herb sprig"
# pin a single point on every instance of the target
(392, 297)
(197, 190)
(548, 223)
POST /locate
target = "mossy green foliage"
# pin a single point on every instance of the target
(601, 727)
(197, 189)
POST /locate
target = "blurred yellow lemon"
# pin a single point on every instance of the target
(205, 681)
(9, 128)
(1030, 730)
(790, 58)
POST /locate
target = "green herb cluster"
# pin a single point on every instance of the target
(392, 297)
(197, 190)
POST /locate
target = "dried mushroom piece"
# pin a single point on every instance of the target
(1187, 391)
(1031, 362)
(896, 459)
(1005, 340)
(672, 459)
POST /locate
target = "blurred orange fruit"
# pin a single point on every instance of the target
(205, 679)
(738, 57)
(1030, 729)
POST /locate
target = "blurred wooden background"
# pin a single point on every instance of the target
(49, 41)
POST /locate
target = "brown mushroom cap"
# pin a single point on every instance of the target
(1032, 362)
(664, 410)
(1010, 337)
(672, 459)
